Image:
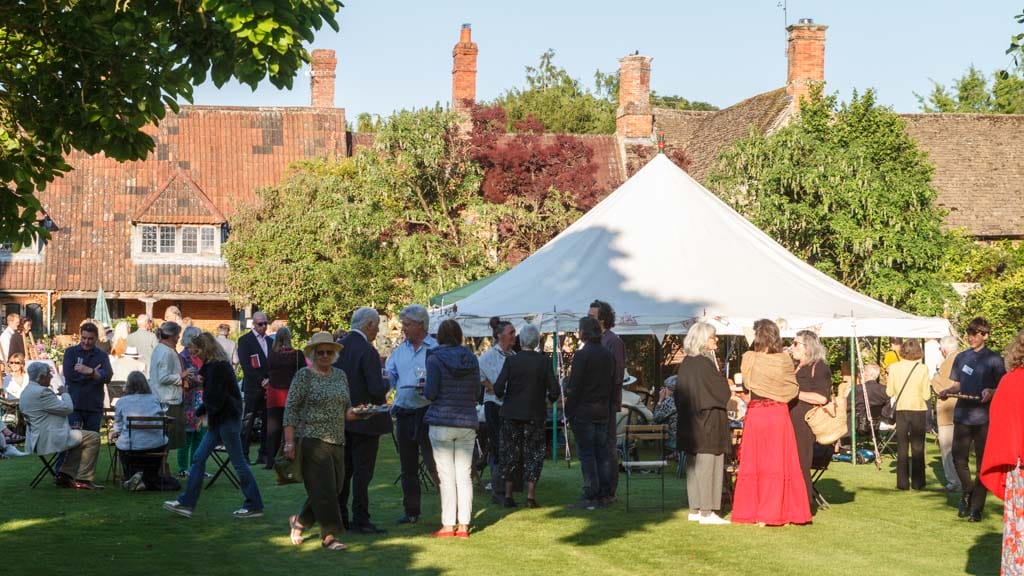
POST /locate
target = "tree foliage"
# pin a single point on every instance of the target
(559, 101)
(91, 74)
(1017, 43)
(679, 103)
(998, 269)
(845, 188)
(972, 93)
(393, 225)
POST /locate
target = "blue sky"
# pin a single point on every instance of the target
(397, 54)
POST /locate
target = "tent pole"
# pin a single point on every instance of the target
(853, 400)
(657, 362)
(554, 405)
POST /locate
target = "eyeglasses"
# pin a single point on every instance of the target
(259, 323)
(976, 332)
(16, 363)
(797, 343)
(326, 352)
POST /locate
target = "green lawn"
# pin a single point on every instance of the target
(871, 529)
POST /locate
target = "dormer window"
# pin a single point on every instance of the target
(165, 239)
(178, 224)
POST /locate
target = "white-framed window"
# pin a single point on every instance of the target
(177, 244)
(32, 252)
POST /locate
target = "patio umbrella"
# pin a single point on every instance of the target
(101, 313)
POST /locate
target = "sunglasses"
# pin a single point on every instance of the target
(16, 363)
(324, 352)
(259, 323)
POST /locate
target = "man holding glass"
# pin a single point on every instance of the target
(406, 369)
(86, 370)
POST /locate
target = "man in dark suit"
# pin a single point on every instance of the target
(253, 348)
(361, 363)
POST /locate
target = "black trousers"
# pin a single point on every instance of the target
(360, 460)
(492, 415)
(910, 429)
(963, 436)
(254, 405)
(612, 462)
(412, 435)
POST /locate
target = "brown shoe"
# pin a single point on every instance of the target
(63, 480)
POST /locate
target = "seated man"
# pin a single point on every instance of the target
(46, 413)
(141, 450)
(876, 395)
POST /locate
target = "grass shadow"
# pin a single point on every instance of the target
(834, 492)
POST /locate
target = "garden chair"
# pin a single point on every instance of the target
(637, 468)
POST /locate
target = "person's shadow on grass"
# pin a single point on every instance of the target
(985, 555)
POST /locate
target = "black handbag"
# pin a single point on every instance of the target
(888, 414)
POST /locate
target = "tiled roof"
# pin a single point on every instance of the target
(702, 135)
(979, 169)
(180, 201)
(227, 153)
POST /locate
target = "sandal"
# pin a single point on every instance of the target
(333, 544)
(296, 529)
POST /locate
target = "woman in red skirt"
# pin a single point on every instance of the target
(770, 487)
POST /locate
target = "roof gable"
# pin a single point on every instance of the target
(179, 201)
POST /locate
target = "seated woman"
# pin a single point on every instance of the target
(140, 449)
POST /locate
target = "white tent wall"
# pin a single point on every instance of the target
(666, 252)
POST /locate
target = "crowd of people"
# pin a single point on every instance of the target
(319, 405)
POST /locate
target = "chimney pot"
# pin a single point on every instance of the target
(321, 82)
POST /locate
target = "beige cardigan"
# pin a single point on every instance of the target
(770, 375)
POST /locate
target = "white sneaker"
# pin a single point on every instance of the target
(246, 513)
(177, 508)
(132, 484)
(713, 519)
(693, 516)
(12, 451)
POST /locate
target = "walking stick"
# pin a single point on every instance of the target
(560, 374)
(867, 407)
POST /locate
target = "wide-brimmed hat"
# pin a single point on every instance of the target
(627, 378)
(131, 351)
(321, 339)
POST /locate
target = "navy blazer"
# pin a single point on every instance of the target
(361, 364)
(247, 346)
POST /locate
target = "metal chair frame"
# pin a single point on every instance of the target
(634, 434)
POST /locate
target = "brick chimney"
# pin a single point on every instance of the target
(806, 54)
(321, 83)
(464, 71)
(633, 118)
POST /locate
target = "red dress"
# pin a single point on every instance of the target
(770, 485)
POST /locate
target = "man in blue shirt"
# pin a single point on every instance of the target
(407, 371)
(86, 370)
(976, 373)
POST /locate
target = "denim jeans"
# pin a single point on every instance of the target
(228, 435)
(453, 454)
(592, 450)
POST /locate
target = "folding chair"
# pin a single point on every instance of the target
(819, 464)
(426, 481)
(112, 451)
(888, 446)
(220, 457)
(47, 468)
(634, 435)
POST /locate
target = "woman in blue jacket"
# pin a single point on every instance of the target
(453, 378)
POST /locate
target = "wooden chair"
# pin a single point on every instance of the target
(137, 424)
(112, 452)
(636, 468)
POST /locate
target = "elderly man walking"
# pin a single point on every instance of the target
(407, 372)
(361, 363)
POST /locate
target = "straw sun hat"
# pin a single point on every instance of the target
(321, 339)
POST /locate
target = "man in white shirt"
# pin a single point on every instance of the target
(143, 339)
(11, 341)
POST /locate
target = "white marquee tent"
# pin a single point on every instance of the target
(666, 252)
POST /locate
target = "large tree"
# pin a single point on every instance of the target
(401, 221)
(846, 189)
(91, 74)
